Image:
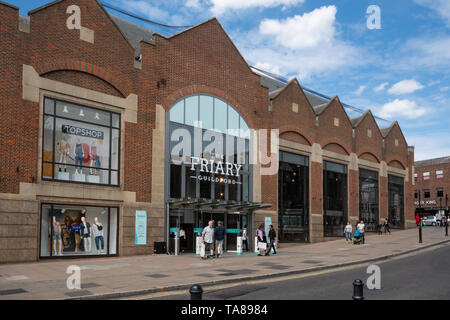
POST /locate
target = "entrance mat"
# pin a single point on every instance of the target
(157, 275)
(12, 291)
(79, 293)
(90, 285)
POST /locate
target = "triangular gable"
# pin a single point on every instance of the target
(367, 114)
(212, 21)
(96, 2)
(292, 82)
(391, 128)
(333, 101)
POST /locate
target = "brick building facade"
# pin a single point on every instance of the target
(433, 181)
(58, 85)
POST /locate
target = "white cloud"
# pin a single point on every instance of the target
(401, 108)
(193, 4)
(405, 86)
(309, 30)
(381, 87)
(360, 90)
(442, 7)
(220, 6)
(268, 67)
(302, 45)
(146, 9)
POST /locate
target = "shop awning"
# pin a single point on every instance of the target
(217, 205)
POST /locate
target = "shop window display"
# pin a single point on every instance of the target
(78, 231)
(80, 144)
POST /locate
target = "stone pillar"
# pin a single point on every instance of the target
(316, 195)
(383, 185)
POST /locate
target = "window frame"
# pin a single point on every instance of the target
(53, 163)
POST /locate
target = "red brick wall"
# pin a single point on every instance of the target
(200, 60)
(433, 183)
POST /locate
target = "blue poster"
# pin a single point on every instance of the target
(267, 223)
(141, 228)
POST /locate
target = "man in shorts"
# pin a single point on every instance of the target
(208, 239)
(220, 237)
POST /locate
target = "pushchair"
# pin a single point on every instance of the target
(357, 237)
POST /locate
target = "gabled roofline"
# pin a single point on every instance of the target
(98, 3)
(327, 105)
(281, 90)
(203, 23)
(9, 5)
(45, 6)
(401, 131)
(363, 116)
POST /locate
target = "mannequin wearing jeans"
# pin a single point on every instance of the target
(94, 157)
(86, 234)
(79, 156)
(57, 236)
(98, 234)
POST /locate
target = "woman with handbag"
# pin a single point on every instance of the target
(262, 241)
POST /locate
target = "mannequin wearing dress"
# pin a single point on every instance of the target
(63, 148)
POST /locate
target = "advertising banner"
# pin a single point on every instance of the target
(141, 228)
(239, 245)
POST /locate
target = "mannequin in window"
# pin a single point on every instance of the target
(57, 236)
(63, 148)
(98, 234)
(78, 150)
(94, 158)
(86, 235)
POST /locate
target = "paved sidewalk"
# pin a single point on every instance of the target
(124, 276)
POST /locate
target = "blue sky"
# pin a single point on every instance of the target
(398, 71)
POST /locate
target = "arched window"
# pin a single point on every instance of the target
(208, 150)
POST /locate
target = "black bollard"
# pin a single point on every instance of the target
(446, 229)
(358, 290)
(420, 232)
(196, 292)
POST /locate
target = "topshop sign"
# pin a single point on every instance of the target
(83, 132)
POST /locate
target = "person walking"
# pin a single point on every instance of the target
(444, 220)
(272, 238)
(379, 229)
(208, 239)
(220, 236)
(361, 227)
(348, 232)
(245, 237)
(262, 240)
(386, 226)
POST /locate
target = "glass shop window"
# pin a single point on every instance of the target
(80, 144)
(69, 230)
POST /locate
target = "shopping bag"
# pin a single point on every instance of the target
(202, 251)
(262, 246)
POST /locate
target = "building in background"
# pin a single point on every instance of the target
(432, 185)
(90, 121)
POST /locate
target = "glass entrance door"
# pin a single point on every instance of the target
(233, 228)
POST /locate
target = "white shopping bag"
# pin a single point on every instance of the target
(202, 251)
(262, 246)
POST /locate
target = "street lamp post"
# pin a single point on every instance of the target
(420, 223)
(446, 214)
